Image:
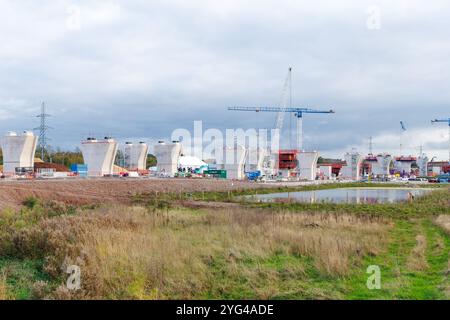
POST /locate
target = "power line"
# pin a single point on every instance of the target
(43, 128)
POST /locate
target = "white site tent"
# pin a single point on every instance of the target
(186, 162)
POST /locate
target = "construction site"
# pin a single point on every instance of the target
(214, 159)
(260, 163)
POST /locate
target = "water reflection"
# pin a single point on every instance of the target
(345, 195)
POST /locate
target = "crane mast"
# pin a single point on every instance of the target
(286, 100)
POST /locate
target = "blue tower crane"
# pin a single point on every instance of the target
(297, 111)
(445, 121)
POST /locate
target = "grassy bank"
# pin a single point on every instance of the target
(432, 204)
(232, 196)
(136, 252)
(156, 249)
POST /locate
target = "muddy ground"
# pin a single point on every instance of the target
(94, 191)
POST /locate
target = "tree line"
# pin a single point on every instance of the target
(67, 158)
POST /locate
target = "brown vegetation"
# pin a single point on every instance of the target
(417, 260)
(3, 288)
(444, 222)
(142, 253)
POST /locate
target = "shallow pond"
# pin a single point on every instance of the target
(344, 195)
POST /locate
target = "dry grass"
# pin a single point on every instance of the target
(446, 284)
(444, 222)
(136, 253)
(4, 294)
(417, 260)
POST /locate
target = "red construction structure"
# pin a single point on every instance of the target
(336, 167)
(406, 158)
(287, 159)
(437, 167)
(446, 169)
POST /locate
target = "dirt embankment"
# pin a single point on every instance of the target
(93, 191)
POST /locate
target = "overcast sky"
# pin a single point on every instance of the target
(139, 69)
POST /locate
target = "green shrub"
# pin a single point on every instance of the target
(30, 202)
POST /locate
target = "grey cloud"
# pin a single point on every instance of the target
(143, 69)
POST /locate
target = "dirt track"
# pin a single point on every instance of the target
(92, 191)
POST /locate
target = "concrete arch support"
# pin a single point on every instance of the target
(352, 170)
(99, 156)
(235, 162)
(18, 151)
(383, 165)
(307, 165)
(136, 156)
(168, 156)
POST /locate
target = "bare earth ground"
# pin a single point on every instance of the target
(93, 191)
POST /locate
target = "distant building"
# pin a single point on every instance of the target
(438, 167)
